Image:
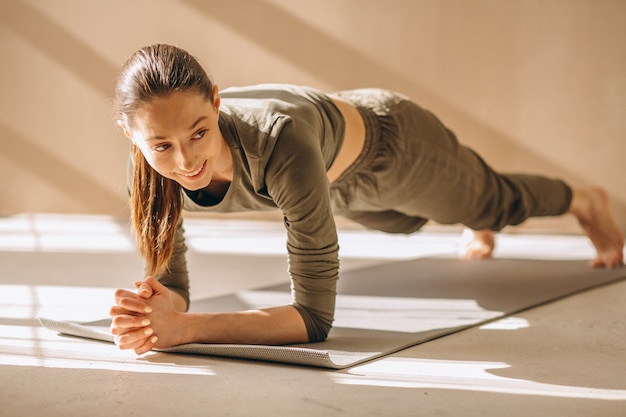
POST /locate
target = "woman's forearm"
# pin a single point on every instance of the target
(157, 319)
(270, 326)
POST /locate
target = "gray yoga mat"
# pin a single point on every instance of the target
(384, 309)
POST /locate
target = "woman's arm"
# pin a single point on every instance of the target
(292, 172)
(166, 324)
(155, 318)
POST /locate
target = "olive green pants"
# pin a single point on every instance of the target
(412, 169)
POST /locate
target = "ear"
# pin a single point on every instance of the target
(125, 129)
(216, 98)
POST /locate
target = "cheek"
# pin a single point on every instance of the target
(213, 144)
(160, 165)
(157, 162)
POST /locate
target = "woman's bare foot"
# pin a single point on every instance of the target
(591, 207)
(476, 244)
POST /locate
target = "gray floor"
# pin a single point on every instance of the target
(567, 358)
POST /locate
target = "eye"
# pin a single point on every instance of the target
(199, 135)
(161, 148)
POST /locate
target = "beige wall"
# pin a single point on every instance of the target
(533, 85)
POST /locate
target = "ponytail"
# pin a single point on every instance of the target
(156, 208)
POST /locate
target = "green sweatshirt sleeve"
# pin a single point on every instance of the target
(296, 180)
(176, 277)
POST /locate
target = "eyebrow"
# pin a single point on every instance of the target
(193, 125)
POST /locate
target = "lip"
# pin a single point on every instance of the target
(198, 173)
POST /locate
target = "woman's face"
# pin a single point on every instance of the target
(180, 138)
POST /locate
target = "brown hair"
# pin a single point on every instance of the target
(155, 201)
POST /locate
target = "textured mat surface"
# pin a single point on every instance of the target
(383, 309)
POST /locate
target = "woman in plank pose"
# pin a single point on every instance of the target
(370, 155)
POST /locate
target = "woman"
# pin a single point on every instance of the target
(370, 155)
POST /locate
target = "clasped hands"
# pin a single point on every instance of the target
(145, 319)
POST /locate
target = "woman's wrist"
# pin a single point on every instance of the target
(178, 301)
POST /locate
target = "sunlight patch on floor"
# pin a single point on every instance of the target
(104, 234)
(269, 238)
(461, 375)
(18, 302)
(507, 323)
(69, 363)
(392, 314)
(39, 347)
(63, 233)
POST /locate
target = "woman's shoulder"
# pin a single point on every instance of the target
(263, 110)
(265, 100)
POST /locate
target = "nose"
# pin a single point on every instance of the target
(184, 159)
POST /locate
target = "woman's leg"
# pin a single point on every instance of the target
(415, 167)
(590, 205)
(464, 189)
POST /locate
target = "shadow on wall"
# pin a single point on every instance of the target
(57, 173)
(60, 45)
(350, 65)
(73, 54)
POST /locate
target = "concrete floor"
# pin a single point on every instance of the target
(567, 358)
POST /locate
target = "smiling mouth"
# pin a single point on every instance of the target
(195, 173)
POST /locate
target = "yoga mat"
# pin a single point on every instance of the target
(387, 308)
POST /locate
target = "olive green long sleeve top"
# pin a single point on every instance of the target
(283, 139)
